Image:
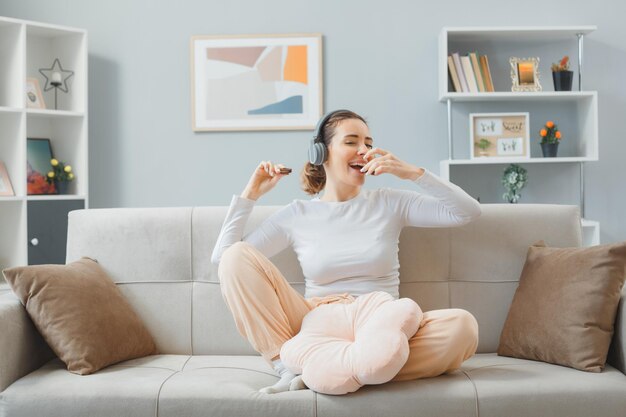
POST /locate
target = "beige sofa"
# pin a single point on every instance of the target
(160, 258)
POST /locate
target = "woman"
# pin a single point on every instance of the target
(347, 245)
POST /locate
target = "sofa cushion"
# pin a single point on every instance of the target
(81, 314)
(218, 385)
(341, 347)
(564, 309)
(518, 388)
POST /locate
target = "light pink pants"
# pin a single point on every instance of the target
(268, 312)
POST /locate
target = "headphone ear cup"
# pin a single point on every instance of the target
(317, 153)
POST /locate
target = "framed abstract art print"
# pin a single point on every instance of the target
(256, 82)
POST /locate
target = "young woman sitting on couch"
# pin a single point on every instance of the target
(347, 244)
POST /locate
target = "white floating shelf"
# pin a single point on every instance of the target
(524, 96)
(55, 197)
(499, 160)
(516, 33)
(4, 109)
(49, 113)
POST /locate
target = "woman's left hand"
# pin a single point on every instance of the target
(389, 163)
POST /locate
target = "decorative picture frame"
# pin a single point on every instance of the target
(33, 95)
(508, 135)
(256, 82)
(6, 189)
(525, 74)
(38, 154)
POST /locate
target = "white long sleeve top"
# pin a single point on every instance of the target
(350, 246)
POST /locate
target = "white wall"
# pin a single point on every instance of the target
(380, 59)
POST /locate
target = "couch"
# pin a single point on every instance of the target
(160, 259)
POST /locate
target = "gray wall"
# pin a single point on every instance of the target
(380, 59)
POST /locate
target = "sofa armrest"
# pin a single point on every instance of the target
(617, 351)
(22, 349)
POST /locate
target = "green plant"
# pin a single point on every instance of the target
(483, 144)
(514, 179)
(60, 172)
(563, 65)
(550, 133)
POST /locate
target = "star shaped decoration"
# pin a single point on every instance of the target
(48, 74)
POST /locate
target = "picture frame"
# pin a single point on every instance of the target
(508, 135)
(525, 74)
(256, 82)
(6, 189)
(33, 95)
(39, 154)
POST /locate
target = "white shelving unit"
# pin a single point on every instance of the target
(548, 43)
(26, 46)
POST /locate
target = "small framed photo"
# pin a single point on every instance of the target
(5, 182)
(525, 74)
(499, 135)
(39, 154)
(34, 97)
(256, 82)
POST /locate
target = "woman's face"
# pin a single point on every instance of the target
(345, 153)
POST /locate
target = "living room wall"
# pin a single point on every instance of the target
(380, 60)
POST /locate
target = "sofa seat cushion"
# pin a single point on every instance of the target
(163, 385)
(519, 387)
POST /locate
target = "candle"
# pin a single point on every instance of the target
(56, 77)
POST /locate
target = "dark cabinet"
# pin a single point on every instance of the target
(47, 230)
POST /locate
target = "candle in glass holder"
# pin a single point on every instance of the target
(56, 77)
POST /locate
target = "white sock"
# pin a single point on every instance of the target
(288, 381)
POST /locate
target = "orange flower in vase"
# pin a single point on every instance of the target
(550, 138)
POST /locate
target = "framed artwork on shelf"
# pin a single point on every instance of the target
(499, 135)
(525, 74)
(39, 154)
(6, 189)
(256, 82)
(34, 97)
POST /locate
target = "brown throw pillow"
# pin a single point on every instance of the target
(81, 314)
(564, 308)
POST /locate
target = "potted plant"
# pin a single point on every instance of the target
(514, 179)
(562, 76)
(483, 144)
(61, 174)
(550, 139)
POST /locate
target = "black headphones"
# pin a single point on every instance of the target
(318, 152)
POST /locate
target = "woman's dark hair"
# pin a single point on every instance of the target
(313, 177)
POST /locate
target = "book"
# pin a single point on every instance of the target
(459, 69)
(476, 67)
(469, 74)
(454, 75)
(484, 63)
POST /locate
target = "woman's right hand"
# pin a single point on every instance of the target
(263, 179)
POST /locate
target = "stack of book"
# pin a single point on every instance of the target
(470, 74)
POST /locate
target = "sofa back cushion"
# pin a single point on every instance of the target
(160, 259)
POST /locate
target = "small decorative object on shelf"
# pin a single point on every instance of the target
(525, 74)
(34, 98)
(56, 76)
(483, 144)
(6, 189)
(514, 179)
(39, 153)
(507, 131)
(562, 76)
(60, 175)
(550, 139)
